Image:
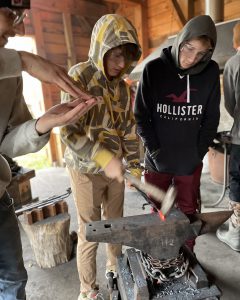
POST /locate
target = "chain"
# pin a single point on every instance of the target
(165, 270)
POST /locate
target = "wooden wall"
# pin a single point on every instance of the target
(167, 17)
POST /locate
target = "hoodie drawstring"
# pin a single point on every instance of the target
(188, 86)
(188, 89)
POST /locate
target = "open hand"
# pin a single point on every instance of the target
(63, 114)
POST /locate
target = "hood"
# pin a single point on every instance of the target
(198, 26)
(111, 31)
(223, 51)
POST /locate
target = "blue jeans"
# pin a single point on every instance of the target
(234, 173)
(13, 275)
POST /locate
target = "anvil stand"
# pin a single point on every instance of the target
(133, 283)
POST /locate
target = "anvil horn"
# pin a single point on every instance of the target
(160, 239)
(212, 220)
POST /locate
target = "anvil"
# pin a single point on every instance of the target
(148, 233)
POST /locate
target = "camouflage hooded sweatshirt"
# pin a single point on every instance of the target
(109, 127)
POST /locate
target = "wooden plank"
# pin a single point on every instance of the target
(55, 48)
(187, 8)
(81, 7)
(40, 45)
(82, 41)
(199, 7)
(156, 9)
(59, 59)
(155, 2)
(160, 21)
(52, 17)
(83, 24)
(154, 43)
(190, 9)
(37, 24)
(126, 1)
(68, 34)
(82, 51)
(232, 10)
(169, 28)
(86, 24)
(52, 27)
(140, 13)
(58, 38)
(55, 38)
(178, 12)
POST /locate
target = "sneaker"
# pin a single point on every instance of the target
(91, 295)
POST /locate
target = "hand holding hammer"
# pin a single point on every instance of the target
(166, 199)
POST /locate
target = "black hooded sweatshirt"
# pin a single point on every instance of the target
(176, 110)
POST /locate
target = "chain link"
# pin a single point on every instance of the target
(165, 270)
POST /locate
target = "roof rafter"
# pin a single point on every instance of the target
(180, 16)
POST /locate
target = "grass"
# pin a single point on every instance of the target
(36, 161)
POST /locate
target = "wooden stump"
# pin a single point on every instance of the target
(50, 240)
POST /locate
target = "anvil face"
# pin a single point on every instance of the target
(148, 233)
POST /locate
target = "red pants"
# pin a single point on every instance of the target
(188, 190)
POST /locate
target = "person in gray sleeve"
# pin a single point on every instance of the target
(230, 235)
(20, 134)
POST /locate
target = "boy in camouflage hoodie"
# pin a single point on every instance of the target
(99, 141)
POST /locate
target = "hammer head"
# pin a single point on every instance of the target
(168, 200)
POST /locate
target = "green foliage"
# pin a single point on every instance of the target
(34, 161)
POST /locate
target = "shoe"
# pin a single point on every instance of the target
(229, 236)
(91, 295)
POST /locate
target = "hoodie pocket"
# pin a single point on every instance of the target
(179, 161)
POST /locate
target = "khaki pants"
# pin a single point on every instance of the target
(93, 193)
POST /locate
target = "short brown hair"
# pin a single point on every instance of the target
(205, 39)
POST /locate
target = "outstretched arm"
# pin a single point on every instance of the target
(48, 72)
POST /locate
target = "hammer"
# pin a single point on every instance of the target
(166, 199)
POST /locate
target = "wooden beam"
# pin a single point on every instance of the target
(85, 24)
(68, 34)
(140, 14)
(179, 14)
(37, 25)
(187, 7)
(190, 9)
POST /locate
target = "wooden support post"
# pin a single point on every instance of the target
(180, 18)
(140, 14)
(67, 25)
